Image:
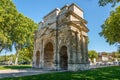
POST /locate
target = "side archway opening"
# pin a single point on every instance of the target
(63, 58)
(48, 56)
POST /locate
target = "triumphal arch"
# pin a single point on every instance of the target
(61, 40)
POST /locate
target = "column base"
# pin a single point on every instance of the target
(77, 67)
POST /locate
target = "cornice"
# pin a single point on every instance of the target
(81, 27)
(77, 16)
(73, 4)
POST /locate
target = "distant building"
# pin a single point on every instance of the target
(104, 57)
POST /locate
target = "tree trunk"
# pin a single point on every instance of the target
(1, 49)
(17, 56)
(118, 47)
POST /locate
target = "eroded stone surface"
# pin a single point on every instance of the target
(61, 40)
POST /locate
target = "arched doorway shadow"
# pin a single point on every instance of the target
(63, 58)
(37, 58)
(48, 56)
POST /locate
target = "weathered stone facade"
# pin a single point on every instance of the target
(61, 40)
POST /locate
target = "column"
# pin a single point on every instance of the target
(76, 45)
(79, 56)
(42, 53)
(86, 49)
(82, 47)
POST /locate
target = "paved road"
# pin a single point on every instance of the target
(18, 73)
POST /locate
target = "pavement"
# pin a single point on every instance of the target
(23, 72)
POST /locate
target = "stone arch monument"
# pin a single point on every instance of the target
(61, 40)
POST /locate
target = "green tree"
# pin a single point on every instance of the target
(7, 58)
(26, 54)
(15, 28)
(92, 54)
(111, 28)
(23, 34)
(115, 54)
(105, 2)
(8, 14)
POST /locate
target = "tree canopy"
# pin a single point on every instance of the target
(8, 16)
(105, 2)
(15, 28)
(111, 27)
(92, 54)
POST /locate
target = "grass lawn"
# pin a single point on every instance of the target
(108, 73)
(15, 67)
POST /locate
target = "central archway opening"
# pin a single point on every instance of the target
(37, 58)
(63, 58)
(48, 56)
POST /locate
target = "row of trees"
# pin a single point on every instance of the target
(15, 29)
(7, 59)
(23, 57)
(10, 59)
(92, 54)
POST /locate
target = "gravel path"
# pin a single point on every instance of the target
(18, 73)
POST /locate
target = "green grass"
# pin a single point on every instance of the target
(108, 73)
(15, 67)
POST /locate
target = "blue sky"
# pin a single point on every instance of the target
(95, 15)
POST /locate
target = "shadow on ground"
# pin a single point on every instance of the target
(15, 67)
(108, 73)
